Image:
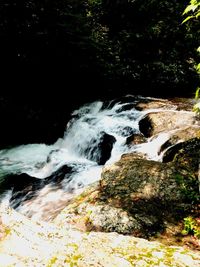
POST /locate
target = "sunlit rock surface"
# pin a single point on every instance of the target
(27, 243)
(156, 122)
(181, 135)
(176, 103)
(155, 104)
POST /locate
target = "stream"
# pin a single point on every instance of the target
(38, 180)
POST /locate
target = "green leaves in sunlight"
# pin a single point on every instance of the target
(191, 226)
(194, 8)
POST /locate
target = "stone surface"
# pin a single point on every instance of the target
(105, 146)
(175, 103)
(135, 139)
(155, 104)
(134, 196)
(27, 243)
(181, 135)
(156, 122)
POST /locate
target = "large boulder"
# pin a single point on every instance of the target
(156, 122)
(105, 145)
(26, 243)
(101, 150)
(134, 196)
(182, 103)
(146, 104)
(185, 154)
(166, 104)
(180, 136)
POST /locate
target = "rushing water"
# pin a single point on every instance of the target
(38, 180)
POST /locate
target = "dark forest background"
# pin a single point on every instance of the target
(58, 54)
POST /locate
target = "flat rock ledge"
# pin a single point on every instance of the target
(27, 243)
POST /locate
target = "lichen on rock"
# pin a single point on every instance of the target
(39, 244)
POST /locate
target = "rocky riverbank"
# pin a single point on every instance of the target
(133, 216)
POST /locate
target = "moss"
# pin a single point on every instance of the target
(52, 261)
(7, 231)
(4, 232)
(73, 257)
(73, 260)
(168, 257)
(156, 256)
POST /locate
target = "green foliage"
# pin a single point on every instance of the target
(49, 35)
(196, 107)
(194, 9)
(197, 93)
(191, 226)
(136, 47)
(123, 44)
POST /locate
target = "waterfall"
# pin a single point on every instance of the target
(95, 136)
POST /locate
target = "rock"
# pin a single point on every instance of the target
(134, 196)
(25, 187)
(58, 246)
(132, 156)
(155, 104)
(21, 185)
(64, 172)
(135, 139)
(145, 189)
(106, 144)
(183, 103)
(102, 151)
(156, 122)
(185, 154)
(181, 135)
(173, 103)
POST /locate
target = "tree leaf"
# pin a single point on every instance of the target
(189, 17)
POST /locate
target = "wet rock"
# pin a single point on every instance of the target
(62, 173)
(172, 103)
(102, 151)
(134, 155)
(25, 187)
(185, 153)
(155, 104)
(183, 103)
(181, 135)
(106, 144)
(126, 131)
(135, 139)
(156, 122)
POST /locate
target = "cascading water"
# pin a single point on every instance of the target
(38, 180)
